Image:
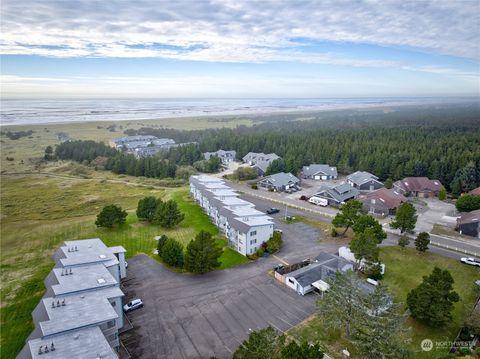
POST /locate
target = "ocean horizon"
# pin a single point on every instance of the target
(44, 111)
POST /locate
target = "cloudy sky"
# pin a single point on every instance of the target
(232, 48)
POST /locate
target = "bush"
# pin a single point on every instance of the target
(465, 351)
(274, 243)
(254, 186)
(270, 189)
(442, 194)
(374, 271)
(167, 214)
(334, 232)
(160, 244)
(468, 203)
(147, 207)
(260, 252)
(111, 215)
(172, 253)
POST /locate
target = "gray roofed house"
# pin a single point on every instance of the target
(79, 344)
(225, 156)
(260, 161)
(469, 224)
(319, 172)
(279, 181)
(364, 181)
(338, 194)
(323, 267)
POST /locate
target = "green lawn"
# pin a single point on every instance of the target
(39, 213)
(404, 271)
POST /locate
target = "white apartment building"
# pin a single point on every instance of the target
(245, 227)
(82, 310)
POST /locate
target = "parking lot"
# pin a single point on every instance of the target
(199, 316)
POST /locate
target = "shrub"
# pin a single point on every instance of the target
(111, 215)
(274, 243)
(442, 194)
(260, 252)
(254, 186)
(468, 203)
(465, 351)
(270, 189)
(172, 253)
(167, 214)
(334, 232)
(160, 244)
(245, 173)
(374, 271)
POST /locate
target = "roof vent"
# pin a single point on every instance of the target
(40, 351)
(58, 303)
(102, 256)
(46, 349)
(62, 273)
(101, 280)
(70, 271)
(63, 302)
(76, 249)
(76, 336)
(53, 304)
(52, 347)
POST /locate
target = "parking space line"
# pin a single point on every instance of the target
(279, 259)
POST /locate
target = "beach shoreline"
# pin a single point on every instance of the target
(112, 116)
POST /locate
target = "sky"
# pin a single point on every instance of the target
(239, 49)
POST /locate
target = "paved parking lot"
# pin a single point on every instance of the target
(199, 316)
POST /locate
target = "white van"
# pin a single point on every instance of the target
(319, 201)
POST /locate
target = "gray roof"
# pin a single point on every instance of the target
(315, 169)
(122, 140)
(78, 344)
(361, 177)
(325, 266)
(262, 165)
(83, 278)
(87, 251)
(221, 154)
(339, 193)
(80, 310)
(281, 179)
(197, 179)
(255, 157)
(243, 226)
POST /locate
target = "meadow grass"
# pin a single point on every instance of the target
(38, 213)
(404, 271)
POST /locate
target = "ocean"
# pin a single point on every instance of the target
(36, 111)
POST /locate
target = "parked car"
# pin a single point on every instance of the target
(272, 210)
(471, 261)
(134, 304)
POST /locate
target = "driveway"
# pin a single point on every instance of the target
(199, 316)
(433, 211)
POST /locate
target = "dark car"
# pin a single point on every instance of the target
(273, 210)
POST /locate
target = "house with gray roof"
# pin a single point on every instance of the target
(364, 181)
(337, 195)
(279, 182)
(304, 277)
(319, 172)
(225, 156)
(260, 161)
(469, 224)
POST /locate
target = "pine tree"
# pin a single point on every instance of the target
(364, 247)
(340, 306)
(172, 253)
(366, 221)
(110, 216)
(405, 218)
(422, 241)
(379, 330)
(347, 215)
(432, 301)
(202, 254)
(168, 215)
(146, 208)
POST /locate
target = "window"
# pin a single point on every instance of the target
(111, 324)
(290, 280)
(252, 233)
(251, 242)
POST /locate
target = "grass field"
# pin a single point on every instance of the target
(404, 271)
(38, 213)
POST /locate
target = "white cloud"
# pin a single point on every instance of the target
(236, 31)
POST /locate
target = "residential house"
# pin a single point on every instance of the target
(304, 277)
(383, 202)
(337, 195)
(418, 187)
(83, 302)
(131, 141)
(319, 172)
(244, 227)
(469, 224)
(225, 156)
(279, 182)
(364, 181)
(260, 161)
